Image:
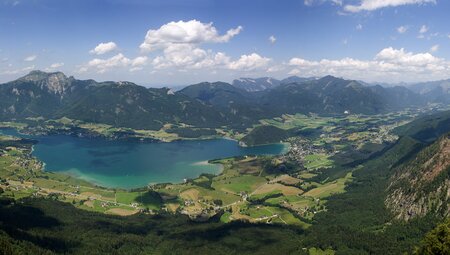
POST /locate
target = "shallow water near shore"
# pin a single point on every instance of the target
(125, 164)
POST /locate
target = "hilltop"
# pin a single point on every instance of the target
(205, 105)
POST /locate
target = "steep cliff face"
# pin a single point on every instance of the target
(56, 83)
(422, 185)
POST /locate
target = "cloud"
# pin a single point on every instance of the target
(103, 65)
(312, 2)
(179, 42)
(103, 48)
(276, 68)
(249, 62)
(372, 5)
(54, 66)
(434, 48)
(389, 65)
(18, 71)
(272, 39)
(190, 32)
(116, 61)
(190, 57)
(359, 27)
(138, 63)
(423, 29)
(402, 29)
(30, 58)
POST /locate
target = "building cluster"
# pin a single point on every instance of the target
(300, 148)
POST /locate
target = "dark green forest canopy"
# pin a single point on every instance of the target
(39, 226)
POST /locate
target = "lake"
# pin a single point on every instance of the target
(125, 164)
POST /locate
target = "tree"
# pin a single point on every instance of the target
(436, 241)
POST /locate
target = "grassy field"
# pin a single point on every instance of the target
(316, 161)
(244, 183)
(317, 251)
(288, 121)
(330, 188)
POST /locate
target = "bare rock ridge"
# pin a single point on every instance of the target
(56, 82)
(422, 185)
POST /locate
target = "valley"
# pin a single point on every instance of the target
(225, 127)
(286, 189)
(305, 191)
(236, 162)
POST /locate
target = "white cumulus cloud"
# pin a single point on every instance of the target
(389, 65)
(185, 32)
(103, 48)
(116, 61)
(249, 62)
(179, 44)
(371, 5)
(187, 56)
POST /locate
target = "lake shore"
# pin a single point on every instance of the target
(104, 159)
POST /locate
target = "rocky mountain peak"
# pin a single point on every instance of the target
(56, 82)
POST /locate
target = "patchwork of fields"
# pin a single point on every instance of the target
(285, 189)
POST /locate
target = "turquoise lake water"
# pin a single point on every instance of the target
(132, 164)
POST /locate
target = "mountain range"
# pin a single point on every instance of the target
(237, 105)
(265, 83)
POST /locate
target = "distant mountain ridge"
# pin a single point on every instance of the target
(265, 83)
(125, 104)
(431, 91)
(211, 105)
(436, 91)
(257, 84)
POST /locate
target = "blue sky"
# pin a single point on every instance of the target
(167, 42)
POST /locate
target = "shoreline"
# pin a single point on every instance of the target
(75, 173)
(78, 175)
